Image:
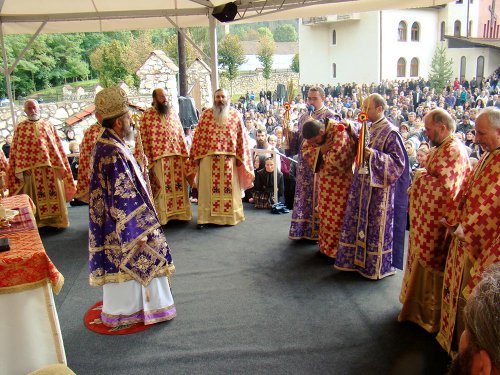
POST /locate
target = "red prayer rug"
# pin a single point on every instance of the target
(92, 320)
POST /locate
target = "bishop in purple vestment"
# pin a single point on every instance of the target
(305, 219)
(128, 253)
(372, 238)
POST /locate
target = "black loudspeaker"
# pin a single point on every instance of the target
(225, 12)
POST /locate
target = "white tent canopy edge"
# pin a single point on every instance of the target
(53, 16)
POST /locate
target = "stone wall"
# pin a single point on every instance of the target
(254, 81)
(199, 73)
(58, 113)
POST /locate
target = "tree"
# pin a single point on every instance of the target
(285, 33)
(172, 49)
(66, 50)
(231, 56)
(441, 69)
(109, 61)
(137, 51)
(295, 66)
(265, 31)
(89, 44)
(265, 54)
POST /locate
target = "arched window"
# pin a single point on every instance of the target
(415, 32)
(334, 37)
(463, 63)
(442, 30)
(402, 31)
(334, 70)
(457, 27)
(414, 67)
(401, 67)
(480, 68)
(469, 32)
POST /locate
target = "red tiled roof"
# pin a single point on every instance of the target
(87, 111)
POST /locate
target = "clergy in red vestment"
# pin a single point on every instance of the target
(3, 163)
(220, 164)
(39, 168)
(431, 194)
(330, 152)
(164, 146)
(86, 148)
(475, 222)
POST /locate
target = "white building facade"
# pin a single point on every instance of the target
(391, 44)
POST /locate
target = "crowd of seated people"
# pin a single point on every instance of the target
(409, 101)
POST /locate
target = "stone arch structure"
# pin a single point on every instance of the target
(159, 71)
(200, 84)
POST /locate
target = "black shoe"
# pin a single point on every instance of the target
(200, 226)
(76, 202)
(330, 261)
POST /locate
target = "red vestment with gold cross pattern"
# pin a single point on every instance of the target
(431, 195)
(477, 212)
(335, 171)
(164, 146)
(38, 154)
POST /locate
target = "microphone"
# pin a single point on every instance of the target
(310, 109)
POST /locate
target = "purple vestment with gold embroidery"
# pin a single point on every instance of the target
(121, 215)
(305, 220)
(372, 238)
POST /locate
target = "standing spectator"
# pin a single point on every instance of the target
(69, 137)
(73, 158)
(395, 118)
(261, 106)
(422, 155)
(418, 97)
(463, 96)
(263, 192)
(6, 146)
(465, 125)
(450, 100)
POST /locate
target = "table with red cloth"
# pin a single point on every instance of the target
(31, 337)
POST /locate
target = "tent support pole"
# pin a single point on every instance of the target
(28, 45)
(212, 35)
(188, 38)
(6, 73)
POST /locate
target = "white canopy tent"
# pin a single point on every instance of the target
(55, 16)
